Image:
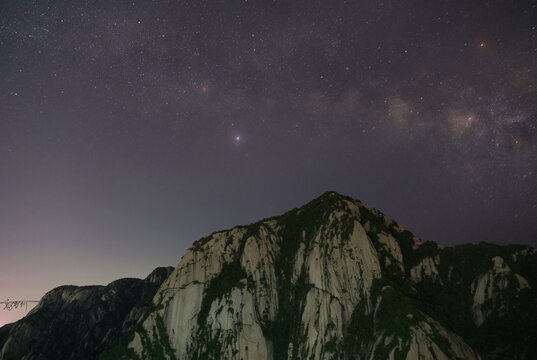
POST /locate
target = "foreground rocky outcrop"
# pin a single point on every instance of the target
(73, 322)
(334, 279)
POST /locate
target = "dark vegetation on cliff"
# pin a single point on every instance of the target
(107, 318)
(73, 322)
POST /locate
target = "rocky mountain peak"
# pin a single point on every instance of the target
(333, 279)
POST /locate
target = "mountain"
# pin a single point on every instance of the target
(72, 322)
(333, 279)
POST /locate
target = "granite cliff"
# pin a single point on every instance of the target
(334, 279)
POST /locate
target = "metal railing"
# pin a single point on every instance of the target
(14, 304)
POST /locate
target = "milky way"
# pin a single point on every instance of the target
(130, 129)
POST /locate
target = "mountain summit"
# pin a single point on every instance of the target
(334, 279)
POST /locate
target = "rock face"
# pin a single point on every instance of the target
(72, 322)
(334, 279)
(236, 291)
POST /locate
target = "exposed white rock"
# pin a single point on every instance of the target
(522, 282)
(322, 321)
(488, 288)
(136, 345)
(425, 269)
(344, 272)
(258, 259)
(422, 345)
(417, 243)
(457, 346)
(182, 293)
(296, 281)
(522, 253)
(180, 317)
(378, 341)
(340, 271)
(500, 267)
(392, 246)
(427, 339)
(337, 272)
(234, 318)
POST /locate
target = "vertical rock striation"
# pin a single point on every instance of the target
(334, 279)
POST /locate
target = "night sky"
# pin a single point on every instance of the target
(128, 130)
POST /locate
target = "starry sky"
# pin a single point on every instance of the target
(129, 129)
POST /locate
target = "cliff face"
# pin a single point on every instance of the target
(72, 322)
(334, 279)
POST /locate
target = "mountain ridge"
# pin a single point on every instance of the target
(404, 252)
(337, 279)
(79, 322)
